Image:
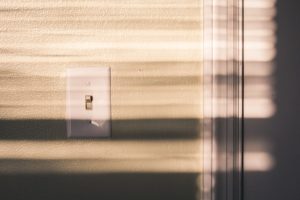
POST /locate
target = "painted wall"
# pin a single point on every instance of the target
(153, 48)
(279, 134)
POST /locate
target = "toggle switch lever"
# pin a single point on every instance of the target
(88, 102)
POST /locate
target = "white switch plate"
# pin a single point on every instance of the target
(80, 121)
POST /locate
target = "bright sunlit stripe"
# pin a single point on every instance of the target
(92, 3)
(258, 161)
(100, 156)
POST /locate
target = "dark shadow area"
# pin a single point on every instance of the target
(135, 186)
(282, 130)
(121, 129)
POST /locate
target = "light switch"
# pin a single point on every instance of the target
(88, 102)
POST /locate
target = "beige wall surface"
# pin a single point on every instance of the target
(154, 49)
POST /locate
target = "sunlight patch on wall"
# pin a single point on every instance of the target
(154, 49)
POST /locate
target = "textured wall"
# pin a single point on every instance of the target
(279, 134)
(153, 48)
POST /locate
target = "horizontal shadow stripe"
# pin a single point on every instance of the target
(135, 186)
(121, 129)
